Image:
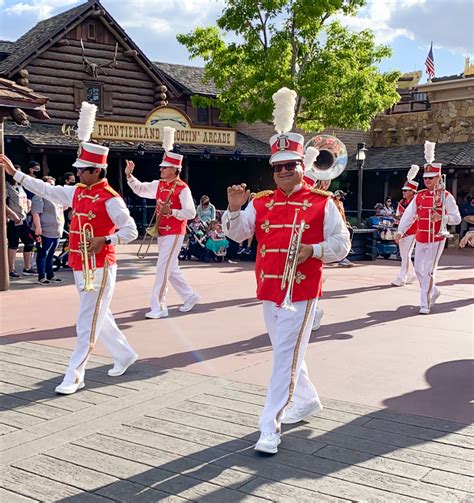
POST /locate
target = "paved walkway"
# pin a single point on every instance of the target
(169, 435)
(181, 424)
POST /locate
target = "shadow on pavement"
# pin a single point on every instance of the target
(375, 441)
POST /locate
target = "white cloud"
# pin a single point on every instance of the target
(41, 9)
(447, 23)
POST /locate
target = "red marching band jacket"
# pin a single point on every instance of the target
(275, 212)
(169, 225)
(426, 203)
(402, 206)
(88, 206)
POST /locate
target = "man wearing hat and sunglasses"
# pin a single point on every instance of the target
(429, 208)
(93, 202)
(275, 216)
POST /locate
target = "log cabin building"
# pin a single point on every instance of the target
(84, 54)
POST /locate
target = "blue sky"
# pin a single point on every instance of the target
(407, 26)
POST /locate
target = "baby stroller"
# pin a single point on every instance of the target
(386, 230)
(195, 246)
(60, 259)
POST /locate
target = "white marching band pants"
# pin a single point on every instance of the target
(407, 270)
(167, 268)
(95, 320)
(289, 333)
(427, 256)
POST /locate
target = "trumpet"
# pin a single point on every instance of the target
(443, 230)
(289, 272)
(88, 258)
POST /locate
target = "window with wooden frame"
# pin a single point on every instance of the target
(202, 115)
(94, 93)
(91, 31)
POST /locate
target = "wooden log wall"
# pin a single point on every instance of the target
(129, 92)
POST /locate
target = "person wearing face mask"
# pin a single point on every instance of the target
(174, 207)
(93, 202)
(429, 208)
(274, 215)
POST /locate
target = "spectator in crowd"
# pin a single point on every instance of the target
(217, 242)
(33, 169)
(48, 224)
(69, 178)
(18, 206)
(467, 212)
(388, 210)
(205, 210)
(376, 220)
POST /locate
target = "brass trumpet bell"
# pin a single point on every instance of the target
(332, 158)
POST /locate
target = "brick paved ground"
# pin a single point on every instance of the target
(170, 435)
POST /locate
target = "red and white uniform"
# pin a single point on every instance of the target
(406, 245)
(171, 232)
(429, 247)
(270, 216)
(105, 210)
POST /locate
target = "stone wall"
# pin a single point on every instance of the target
(350, 138)
(445, 122)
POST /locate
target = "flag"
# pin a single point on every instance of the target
(429, 63)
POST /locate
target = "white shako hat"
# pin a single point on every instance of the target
(170, 159)
(431, 168)
(89, 155)
(285, 146)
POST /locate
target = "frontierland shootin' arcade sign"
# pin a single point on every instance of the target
(152, 130)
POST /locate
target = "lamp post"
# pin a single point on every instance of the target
(360, 157)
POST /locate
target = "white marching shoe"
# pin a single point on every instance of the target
(268, 442)
(317, 319)
(154, 315)
(298, 412)
(190, 303)
(424, 310)
(120, 368)
(434, 297)
(69, 388)
(397, 282)
(411, 280)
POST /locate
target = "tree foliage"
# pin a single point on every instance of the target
(293, 43)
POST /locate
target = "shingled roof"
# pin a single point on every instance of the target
(50, 135)
(190, 78)
(6, 46)
(401, 158)
(39, 35)
(46, 32)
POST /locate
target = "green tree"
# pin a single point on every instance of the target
(292, 43)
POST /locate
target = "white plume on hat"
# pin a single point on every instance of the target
(284, 110)
(85, 124)
(413, 172)
(429, 151)
(168, 138)
(310, 156)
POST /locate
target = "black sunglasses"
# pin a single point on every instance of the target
(289, 166)
(81, 170)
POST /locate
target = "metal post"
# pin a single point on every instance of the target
(4, 277)
(360, 158)
(360, 165)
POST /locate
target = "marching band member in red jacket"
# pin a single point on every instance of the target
(273, 216)
(174, 207)
(93, 202)
(407, 243)
(430, 208)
